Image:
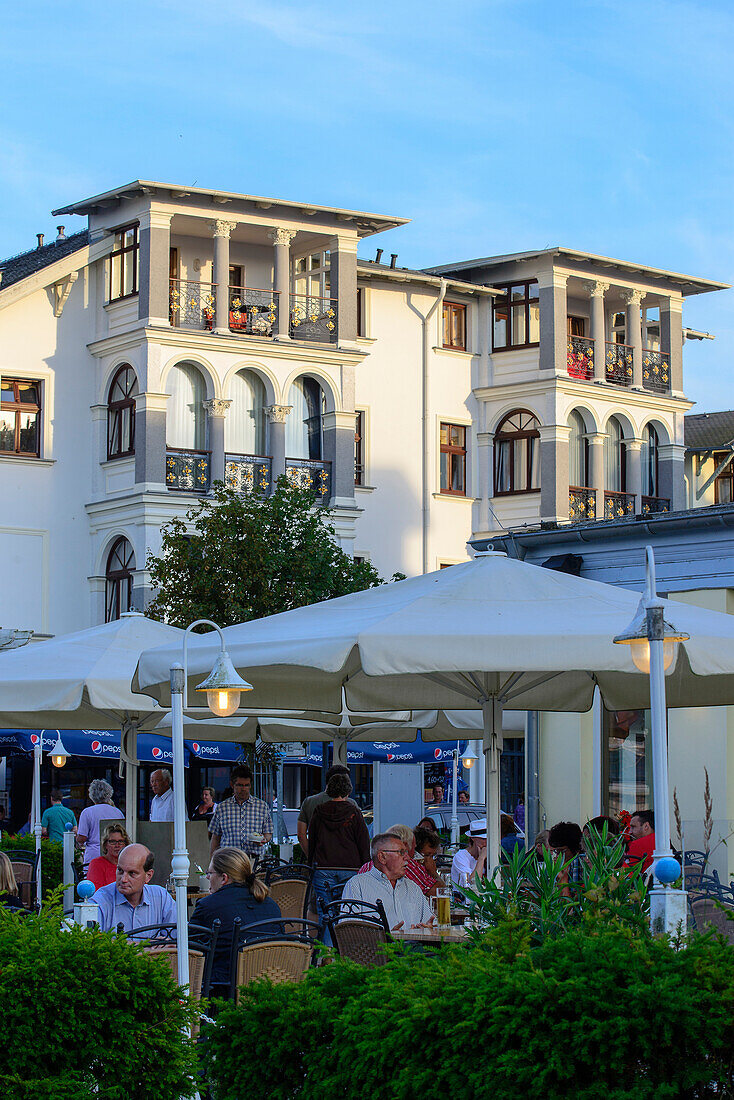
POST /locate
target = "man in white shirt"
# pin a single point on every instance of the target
(161, 784)
(405, 904)
(472, 860)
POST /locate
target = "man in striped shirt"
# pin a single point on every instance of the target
(414, 870)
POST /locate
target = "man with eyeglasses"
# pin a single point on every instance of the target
(405, 906)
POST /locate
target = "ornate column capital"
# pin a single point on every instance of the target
(595, 288)
(277, 414)
(217, 406)
(222, 228)
(632, 297)
(280, 235)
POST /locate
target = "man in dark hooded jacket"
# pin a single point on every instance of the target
(338, 841)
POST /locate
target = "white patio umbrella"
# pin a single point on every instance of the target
(82, 681)
(490, 633)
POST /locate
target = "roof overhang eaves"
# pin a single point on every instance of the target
(408, 275)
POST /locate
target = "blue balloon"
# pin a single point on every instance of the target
(666, 870)
(85, 889)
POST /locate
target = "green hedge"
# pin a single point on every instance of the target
(588, 1015)
(88, 1014)
(52, 858)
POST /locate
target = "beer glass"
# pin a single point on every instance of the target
(442, 907)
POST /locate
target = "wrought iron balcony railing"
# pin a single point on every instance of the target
(580, 357)
(617, 505)
(654, 504)
(191, 304)
(248, 473)
(581, 503)
(253, 311)
(187, 471)
(655, 370)
(618, 367)
(313, 318)
(312, 474)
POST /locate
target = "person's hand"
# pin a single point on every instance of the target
(397, 927)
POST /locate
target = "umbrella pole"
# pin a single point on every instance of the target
(492, 746)
(340, 748)
(37, 750)
(180, 857)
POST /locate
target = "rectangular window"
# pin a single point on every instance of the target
(516, 317)
(724, 484)
(454, 326)
(360, 312)
(359, 474)
(124, 259)
(627, 761)
(453, 459)
(20, 417)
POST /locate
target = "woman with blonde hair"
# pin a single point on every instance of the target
(8, 885)
(234, 891)
(103, 870)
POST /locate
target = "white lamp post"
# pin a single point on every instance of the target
(223, 688)
(654, 645)
(59, 756)
(454, 799)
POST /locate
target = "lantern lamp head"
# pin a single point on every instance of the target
(223, 687)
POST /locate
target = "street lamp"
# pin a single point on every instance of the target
(653, 644)
(223, 687)
(59, 755)
(469, 759)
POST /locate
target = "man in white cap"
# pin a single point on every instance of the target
(471, 861)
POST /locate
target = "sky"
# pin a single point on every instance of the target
(495, 125)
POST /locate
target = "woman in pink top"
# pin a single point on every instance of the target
(103, 870)
(100, 792)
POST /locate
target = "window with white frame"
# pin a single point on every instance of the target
(312, 277)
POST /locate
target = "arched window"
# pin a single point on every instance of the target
(517, 454)
(304, 426)
(615, 458)
(578, 452)
(185, 413)
(244, 427)
(650, 459)
(121, 413)
(119, 580)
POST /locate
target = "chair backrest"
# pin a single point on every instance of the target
(692, 873)
(710, 913)
(280, 960)
(360, 941)
(292, 930)
(700, 859)
(197, 964)
(291, 896)
(24, 866)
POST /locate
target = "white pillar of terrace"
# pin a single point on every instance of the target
(216, 410)
(596, 468)
(277, 414)
(634, 470)
(633, 298)
(598, 328)
(221, 230)
(281, 239)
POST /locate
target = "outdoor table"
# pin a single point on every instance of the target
(429, 935)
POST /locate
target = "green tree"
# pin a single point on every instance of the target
(240, 557)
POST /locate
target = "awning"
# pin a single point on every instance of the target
(105, 745)
(387, 752)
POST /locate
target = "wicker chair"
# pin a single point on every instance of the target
(358, 931)
(709, 913)
(25, 869)
(202, 944)
(259, 951)
(290, 888)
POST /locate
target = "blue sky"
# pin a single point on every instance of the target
(605, 125)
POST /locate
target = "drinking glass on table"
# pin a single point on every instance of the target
(441, 905)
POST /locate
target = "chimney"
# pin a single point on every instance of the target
(378, 257)
(393, 259)
(39, 238)
(60, 231)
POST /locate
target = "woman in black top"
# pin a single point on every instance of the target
(8, 885)
(235, 892)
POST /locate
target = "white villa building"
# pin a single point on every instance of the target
(184, 336)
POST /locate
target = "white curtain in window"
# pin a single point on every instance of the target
(613, 444)
(650, 462)
(185, 412)
(244, 425)
(577, 451)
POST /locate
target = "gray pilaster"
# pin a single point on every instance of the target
(671, 339)
(634, 470)
(596, 469)
(344, 288)
(155, 251)
(339, 451)
(553, 352)
(150, 438)
(281, 239)
(634, 334)
(216, 410)
(554, 472)
(671, 458)
(221, 230)
(598, 330)
(277, 415)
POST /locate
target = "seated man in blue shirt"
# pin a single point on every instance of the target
(130, 900)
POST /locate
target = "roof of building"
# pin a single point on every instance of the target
(28, 263)
(688, 284)
(375, 269)
(709, 431)
(366, 223)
